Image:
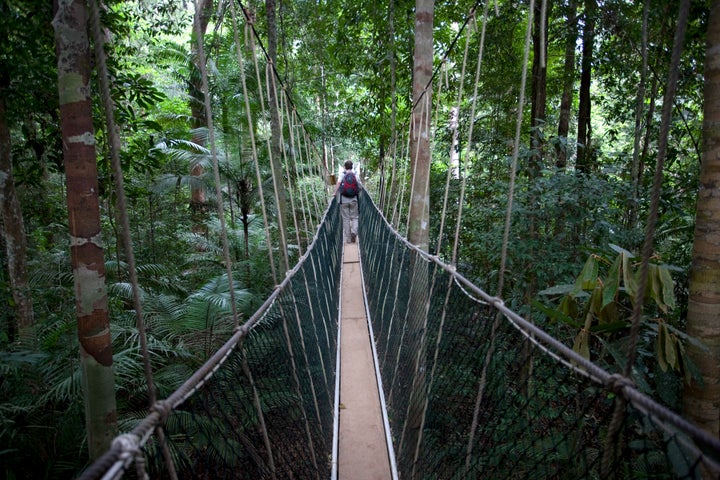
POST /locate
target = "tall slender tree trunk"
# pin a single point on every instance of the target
(276, 137)
(538, 89)
(701, 402)
(198, 205)
(635, 173)
(584, 148)
(418, 233)
(391, 192)
(91, 303)
(571, 34)
(13, 231)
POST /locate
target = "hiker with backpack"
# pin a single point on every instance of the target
(349, 187)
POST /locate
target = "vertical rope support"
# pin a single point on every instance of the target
(399, 199)
(277, 182)
(251, 131)
(516, 147)
(439, 334)
(259, 410)
(455, 113)
(283, 110)
(453, 127)
(302, 192)
(216, 168)
(668, 99)
(516, 151)
(315, 318)
(109, 108)
(296, 380)
(469, 142)
(304, 348)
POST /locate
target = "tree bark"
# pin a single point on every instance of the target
(571, 34)
(91, 303)
(584, 148)
(701, 403)
(418, 233)
(13, 231)
(198, 206)
(538, 89)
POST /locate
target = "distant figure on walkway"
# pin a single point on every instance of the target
(349, 187)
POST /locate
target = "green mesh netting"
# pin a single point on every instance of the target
(470, 396)
(472, 389)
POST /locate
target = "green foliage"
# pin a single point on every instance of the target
(598, 307)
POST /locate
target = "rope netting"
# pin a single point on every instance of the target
(262, 406)
(473, 389)
(502, 398)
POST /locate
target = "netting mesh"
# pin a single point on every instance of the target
(470, 396)
(267, 410)
(472, 389)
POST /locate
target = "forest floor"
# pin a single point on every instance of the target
(362, 447)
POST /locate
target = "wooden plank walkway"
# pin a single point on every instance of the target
(362, 446)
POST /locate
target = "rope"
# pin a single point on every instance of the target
(114, 144)
(251, 132)
(619, 412)
(463, 183)
(516, 150)
(665, 419)
(216, 169)
(278, 185)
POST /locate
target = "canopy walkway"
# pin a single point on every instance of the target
(472, 389)
(455, 385)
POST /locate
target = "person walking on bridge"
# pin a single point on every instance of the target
(349, 187)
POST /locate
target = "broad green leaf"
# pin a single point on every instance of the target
(569, 307)
(581, 346)
(660, 346)
(621, 250)
(612, 283)
(628, 277)
(555, 314)
(668, 287)
(558, 290)
(595, 304)
(670, 353)
(609, 313)
(654, 289)
(588, 276)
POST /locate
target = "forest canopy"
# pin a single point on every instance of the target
(589, 141)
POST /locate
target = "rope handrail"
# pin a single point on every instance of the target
(617, 383)
(113, 463)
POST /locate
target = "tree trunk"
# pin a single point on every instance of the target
(91, 303)
(198, 205)
(538, 90)
(571, 33)
(584, 148)
(418, 233)
(13, 231)
(701, 403)
(276, 137)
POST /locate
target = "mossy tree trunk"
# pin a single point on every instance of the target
(13, 231)
(87, 256)
(701, 401)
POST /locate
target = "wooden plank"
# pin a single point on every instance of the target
(362, 450)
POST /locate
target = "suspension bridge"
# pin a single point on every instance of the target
(471, 389)
(378, 360)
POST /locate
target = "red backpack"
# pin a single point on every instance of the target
(349, 186)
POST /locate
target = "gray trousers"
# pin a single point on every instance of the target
(349, 211)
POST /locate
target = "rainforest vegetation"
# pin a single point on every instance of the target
(598, 74)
